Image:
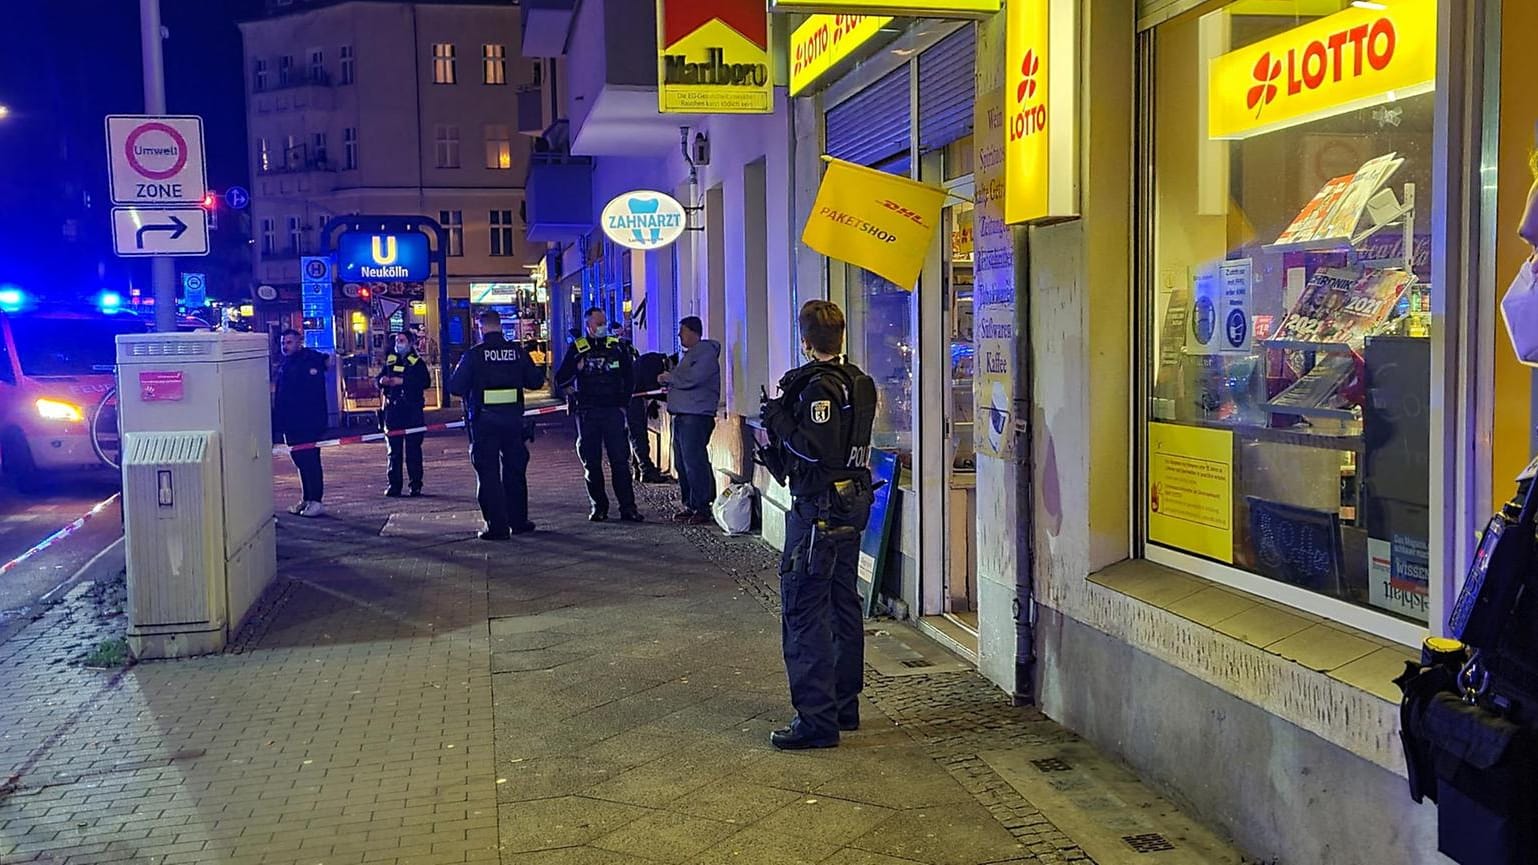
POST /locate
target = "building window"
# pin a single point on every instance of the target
(350, 147)
(285, 70)
(293, 152)
(318, 149)
(453, 222)
(347, 64)
(444, 71)
(295, 235)
(1288, 325)
(501, 233)
(269, 237)
(263, 156)
(259, 75)
(499, 146)
(446, 145)
(537, 76)
(494, 64)
(317, 71)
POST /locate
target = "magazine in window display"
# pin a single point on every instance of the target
(1307, 223)
(1343, 305)
(1364, 184)
(1320, 387)
(1324, 292)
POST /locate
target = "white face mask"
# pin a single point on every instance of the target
(401, 348)
(1519, 306)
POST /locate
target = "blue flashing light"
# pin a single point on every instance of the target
(110, 301)
(11, 298)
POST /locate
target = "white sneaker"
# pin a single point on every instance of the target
(313, 509)
(297, 508)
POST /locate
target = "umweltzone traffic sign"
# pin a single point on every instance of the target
(159, 231)
(156, 160)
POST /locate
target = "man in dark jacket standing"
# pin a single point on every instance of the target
(649, 368)
(299, 407)
(491, 378)
(404, 380)
(694, 394)
(601, 369)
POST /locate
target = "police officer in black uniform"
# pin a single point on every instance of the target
(404, 380)
(491, 378)
(601, 369)
(819, 439)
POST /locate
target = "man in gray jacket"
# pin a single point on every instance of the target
(694, 393)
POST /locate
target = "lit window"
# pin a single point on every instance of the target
(263, 156)
(347, 64)
(499, 147)
(443, 63)
(350, 147)
(453, 222)
(446, 145)
(494, 64)
(501, 233)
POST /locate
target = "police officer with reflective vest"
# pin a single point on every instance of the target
(819, 441)
(600, 369)
(491, 378)
(404, 381)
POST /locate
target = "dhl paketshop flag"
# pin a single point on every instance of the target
(871, 219)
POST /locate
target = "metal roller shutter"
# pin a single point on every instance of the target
(874, 125)
(947, 89)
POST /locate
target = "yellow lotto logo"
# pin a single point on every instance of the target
(823, 40)
(1027, 110)
(384, 249)
(1354, 59)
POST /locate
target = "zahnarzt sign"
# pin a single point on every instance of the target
(644, 220)
(713, 57)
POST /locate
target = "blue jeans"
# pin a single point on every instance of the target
(691, 460)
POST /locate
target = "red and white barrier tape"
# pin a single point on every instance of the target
(61, 534)
(281, 450)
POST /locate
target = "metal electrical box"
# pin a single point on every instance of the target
(195, 418)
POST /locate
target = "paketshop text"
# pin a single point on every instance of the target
(855, 222)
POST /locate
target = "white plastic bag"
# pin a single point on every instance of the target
(1520, 309)
(733, 509)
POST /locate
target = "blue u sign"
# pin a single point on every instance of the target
(365, 256)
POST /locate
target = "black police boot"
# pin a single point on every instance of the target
(524, 529)
(849, 725)
(393, 492)
(598, 517)
(632, 516)
(416, 492)
(795, 738)
(655, 475)
(489, 535)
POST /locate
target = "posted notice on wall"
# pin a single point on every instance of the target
(1191, 489)
(1220, 308)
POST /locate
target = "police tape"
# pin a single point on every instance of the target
(283, 450)
(61, 534)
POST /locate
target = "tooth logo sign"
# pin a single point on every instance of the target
(384, 249)
(644, 220)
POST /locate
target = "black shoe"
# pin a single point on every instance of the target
(393, 492)
(792, 739)
(655, 477)
(416, 492)
(849, 726)
(523, 529)
(632, 516)
(489, 535)
(598, 517)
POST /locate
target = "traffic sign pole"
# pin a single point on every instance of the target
(162, 269)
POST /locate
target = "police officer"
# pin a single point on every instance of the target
(819, 439)
(404, 380)
(491, 378)
(601, 369)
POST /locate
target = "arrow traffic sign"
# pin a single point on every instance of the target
(237, 197)
(156, 159)
(140, 231)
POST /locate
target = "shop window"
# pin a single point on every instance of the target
(1287, 296)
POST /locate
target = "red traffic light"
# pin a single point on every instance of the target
(364, 294)
(210, 201)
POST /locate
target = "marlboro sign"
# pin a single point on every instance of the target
(713, 57)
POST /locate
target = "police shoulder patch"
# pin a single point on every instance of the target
(822, 411)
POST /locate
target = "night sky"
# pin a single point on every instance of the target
(64, 65)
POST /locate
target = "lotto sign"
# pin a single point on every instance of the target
(926, 8)
(822, 41)
(1039, 110)
(156, 160)
(1354, 59)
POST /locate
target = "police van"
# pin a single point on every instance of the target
(56, 365)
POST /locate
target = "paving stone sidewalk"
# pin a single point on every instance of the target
(590, 694)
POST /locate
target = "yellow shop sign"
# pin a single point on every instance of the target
(922, 8)
(1356, 58)
(713, 57)
(822, 41)
(1039, 108)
